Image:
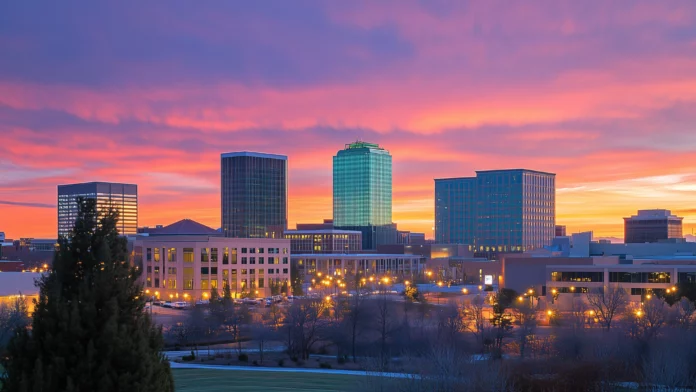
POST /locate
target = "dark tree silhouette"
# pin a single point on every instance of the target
(89, 330)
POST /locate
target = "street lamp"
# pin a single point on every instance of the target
(465, 291)
(520, 298)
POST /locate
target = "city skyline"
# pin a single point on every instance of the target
(602, 99)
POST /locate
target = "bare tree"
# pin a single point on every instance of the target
(306, 321)
(666, 367)
(262, 334)
(13, 316)
(577, 315)
(450, 324)
(385, 324)
(355, 320)
(274, 317)
(233, 318)
(652, 317)
(684, 314)
(607, 303)
(474, 320)
(527, 319)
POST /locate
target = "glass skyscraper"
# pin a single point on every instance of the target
(254, 195)
(123, 197)
(497, 211)
(362, 192)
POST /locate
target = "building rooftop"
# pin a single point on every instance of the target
(652, 215)
(323, 231)
(514, 170)
(355, 255)
(253, 154)
(185, 227)
(13, 283)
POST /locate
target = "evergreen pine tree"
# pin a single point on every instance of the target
(89, 330)
(226, 295)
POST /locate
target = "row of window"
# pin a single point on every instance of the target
(214, 271)
(206, 284)
(212, 255)
(622, 277)
(639, 277)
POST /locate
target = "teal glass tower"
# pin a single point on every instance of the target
(362, 191)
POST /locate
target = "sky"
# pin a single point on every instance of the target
(601, 93)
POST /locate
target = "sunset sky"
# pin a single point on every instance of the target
(601, 93)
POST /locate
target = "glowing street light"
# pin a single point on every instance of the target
(372, 278)
(407, 283)
(520, 298)
(549, 312)
(147, 291)
(639, 313)
(205, 295)
(648, 296)
(465, 291)
(439, 284)
(328, 298)
(554, 291)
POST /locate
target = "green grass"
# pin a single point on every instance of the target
(211, 380)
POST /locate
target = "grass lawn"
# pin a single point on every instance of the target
(211, 380)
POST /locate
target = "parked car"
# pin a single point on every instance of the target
(202, 302)
(159, 303)
(167, 304)
(180, 305)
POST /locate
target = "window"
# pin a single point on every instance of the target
(244, 260)
(171, 271)
(244, 272)
(687, 277)
(188, 278)
(260, 260)
(234, 255)
(157, 255)
(226, 256)
(260, 283)
(252, 260)
(204, 284)
(213, 283)
(171, 255)
(252, 250)
(271, 260)
(204, 271)
(285, 260)
(213, 270)
(214, 255)
(233, 285)
(149, 282)
(171, 283)
(260, 250)
(270, 271)
(285, 270)
(285, 251)
(252, 271)
(640, 277)
(157, 270)
(244, 250)
(148, 255)
(573, 276)
(157, 282)
(225, 278)
(204, 255)
(188, 255)
(149, 269)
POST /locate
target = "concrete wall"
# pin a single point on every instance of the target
(520, 272)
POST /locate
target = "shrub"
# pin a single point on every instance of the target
(189, 358)
(255, 363)
(294, 359)
(243, 358)
(325, 365)
(341, 360)
(280, 362)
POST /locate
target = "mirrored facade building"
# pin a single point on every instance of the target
(362, 192)
(123, 197)
(254, 195)
(497, 211)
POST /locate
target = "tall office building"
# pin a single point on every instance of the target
(123, 197)
(497, 211)
(254, 195)
(652, 226)
(362, 192)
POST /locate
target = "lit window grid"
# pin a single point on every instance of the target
(362, 187)
(195, 278)
(125, 203)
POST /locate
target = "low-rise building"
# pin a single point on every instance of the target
(186, 260)
(324, 241)
(393, 265)
(565, 282)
